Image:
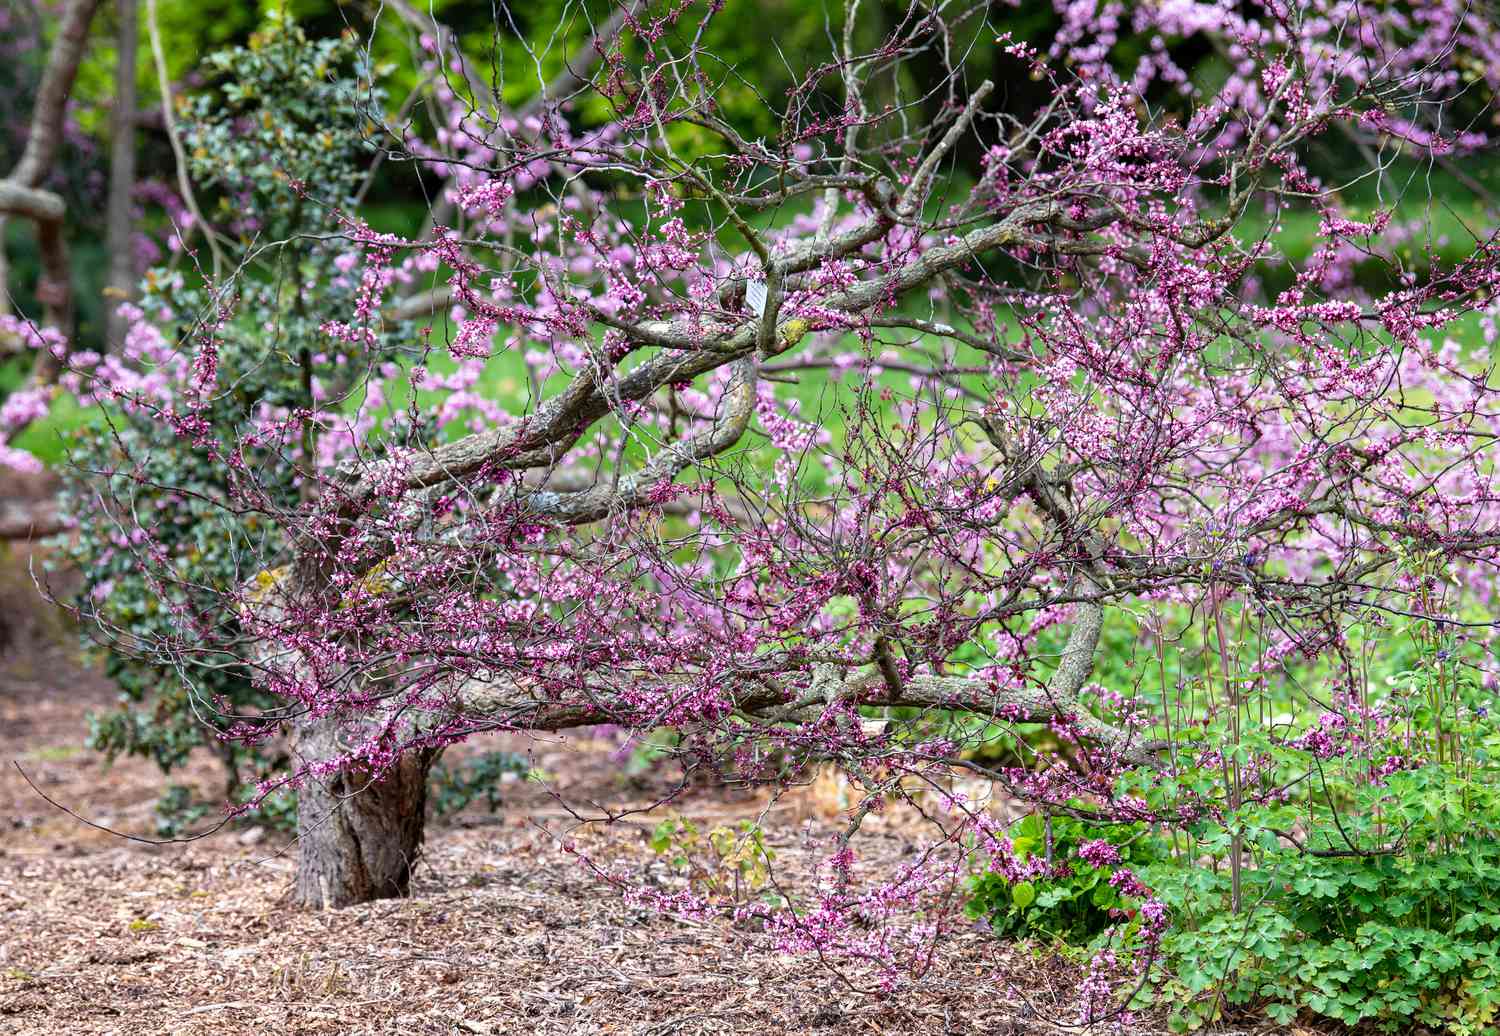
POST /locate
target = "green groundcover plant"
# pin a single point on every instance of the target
(1357, 878)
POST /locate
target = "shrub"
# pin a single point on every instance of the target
(455, 787)
(138, 485)
(1397, 941)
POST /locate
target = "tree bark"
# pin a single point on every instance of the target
(29, 519)
(122, 278)
(358, 839)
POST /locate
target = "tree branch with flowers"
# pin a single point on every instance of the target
(846, 444)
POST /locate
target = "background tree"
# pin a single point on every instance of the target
(123, 276)
(21, 192)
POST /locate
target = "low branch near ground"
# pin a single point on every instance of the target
(508, 705)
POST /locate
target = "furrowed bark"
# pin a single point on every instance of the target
(358, 839)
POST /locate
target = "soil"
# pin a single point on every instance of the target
(504, 931)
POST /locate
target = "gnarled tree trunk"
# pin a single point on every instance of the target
(358, 838)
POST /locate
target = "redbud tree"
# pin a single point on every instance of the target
(847, 443)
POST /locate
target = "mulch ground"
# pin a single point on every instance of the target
(503, 932)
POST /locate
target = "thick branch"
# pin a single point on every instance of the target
(31, 202)
(548, 433)
(30, 520)
(592, 504)
(513, 706)
(916, 191)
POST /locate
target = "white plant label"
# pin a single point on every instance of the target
(755, 294)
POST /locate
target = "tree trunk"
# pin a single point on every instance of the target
(119, 225)
(42, 143)
(359, 839)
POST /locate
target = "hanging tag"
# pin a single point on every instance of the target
(755, 294)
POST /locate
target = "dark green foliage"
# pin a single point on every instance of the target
(285, 112)
(177, 812)
(164, 714)
(182, 812)
(275, 145)
(137, 484)
(454, 788)
(1391, 940)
